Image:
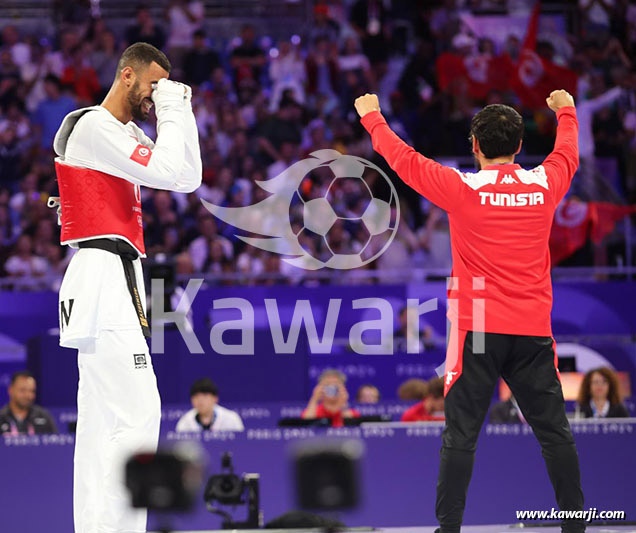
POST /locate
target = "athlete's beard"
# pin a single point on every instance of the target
(136, 103)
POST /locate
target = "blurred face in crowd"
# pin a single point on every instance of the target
(10, 35)
(51, 89)
(368, 395)
(247, 35)
(334, 393)
(204, 403)
(140, 88)
(143, 17)
(24, 245)
(599, 386)
(207, 226)
(436, 405)
(22, 392)
(162, 201)
(5, 59)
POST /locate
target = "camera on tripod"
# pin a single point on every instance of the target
(230, 489)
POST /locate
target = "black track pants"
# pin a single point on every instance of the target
(527, 364)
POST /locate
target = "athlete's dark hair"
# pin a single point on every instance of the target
(20, 374)
(140, 55)
(204, 386)
(498, 129)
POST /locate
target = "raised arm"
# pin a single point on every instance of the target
(562, 163)
(159, 166)
(441, 185)
(192, 167)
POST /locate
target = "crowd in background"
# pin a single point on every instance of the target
(262, 104)
(600, 396)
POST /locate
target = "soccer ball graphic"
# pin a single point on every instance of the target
(345, 213)
(327, 210)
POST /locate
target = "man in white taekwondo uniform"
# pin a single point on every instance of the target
(103, 160)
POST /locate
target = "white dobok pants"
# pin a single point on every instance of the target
(119, 408)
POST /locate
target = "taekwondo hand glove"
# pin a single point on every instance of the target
(167, 95)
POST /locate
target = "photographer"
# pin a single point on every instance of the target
(329, 399)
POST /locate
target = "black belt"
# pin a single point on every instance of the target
(128, 254)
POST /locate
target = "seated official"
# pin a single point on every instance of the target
(599, 396)
(412, 389)
(21, 416)
(206, 413)
(368, 394)
(431, 408)
(329, 399)
(507, 412)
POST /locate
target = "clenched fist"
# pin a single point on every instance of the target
(559, 99)
(367, 103)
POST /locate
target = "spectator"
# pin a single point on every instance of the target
(287, 72)
(431, 407)
(329, 399)
(321, 66)
(599, 395)
(200, 247)
(369, 19)
(23, 263)
(21, 416)
(368, 393)
(145, 30)
(323, 26)
(282, 127)
(81, 77)
(104, 59)
(206, 413)
(185, 17)
(11, 153)
(200, 61)
(7, 229)
(9, 78)
(507, 412)
(20, 51)
(33, 73)
(49, 114)
(412, 389)
(417, 333)
(247, 58)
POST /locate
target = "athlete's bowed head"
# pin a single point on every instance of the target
(496, 132)
(140, 66)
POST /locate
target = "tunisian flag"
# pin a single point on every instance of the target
(575, 222)
(534, 77)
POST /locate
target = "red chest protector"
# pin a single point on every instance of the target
(95, 204)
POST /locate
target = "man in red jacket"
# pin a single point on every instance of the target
(431, 406)
(500, 294)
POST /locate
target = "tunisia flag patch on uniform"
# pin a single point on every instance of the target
(141, 155)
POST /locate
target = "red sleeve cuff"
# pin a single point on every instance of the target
(372, 119)
(568, 110)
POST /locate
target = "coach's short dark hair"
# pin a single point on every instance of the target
(498, 129)
(204, 386)
(140, 55)
(20, 374)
